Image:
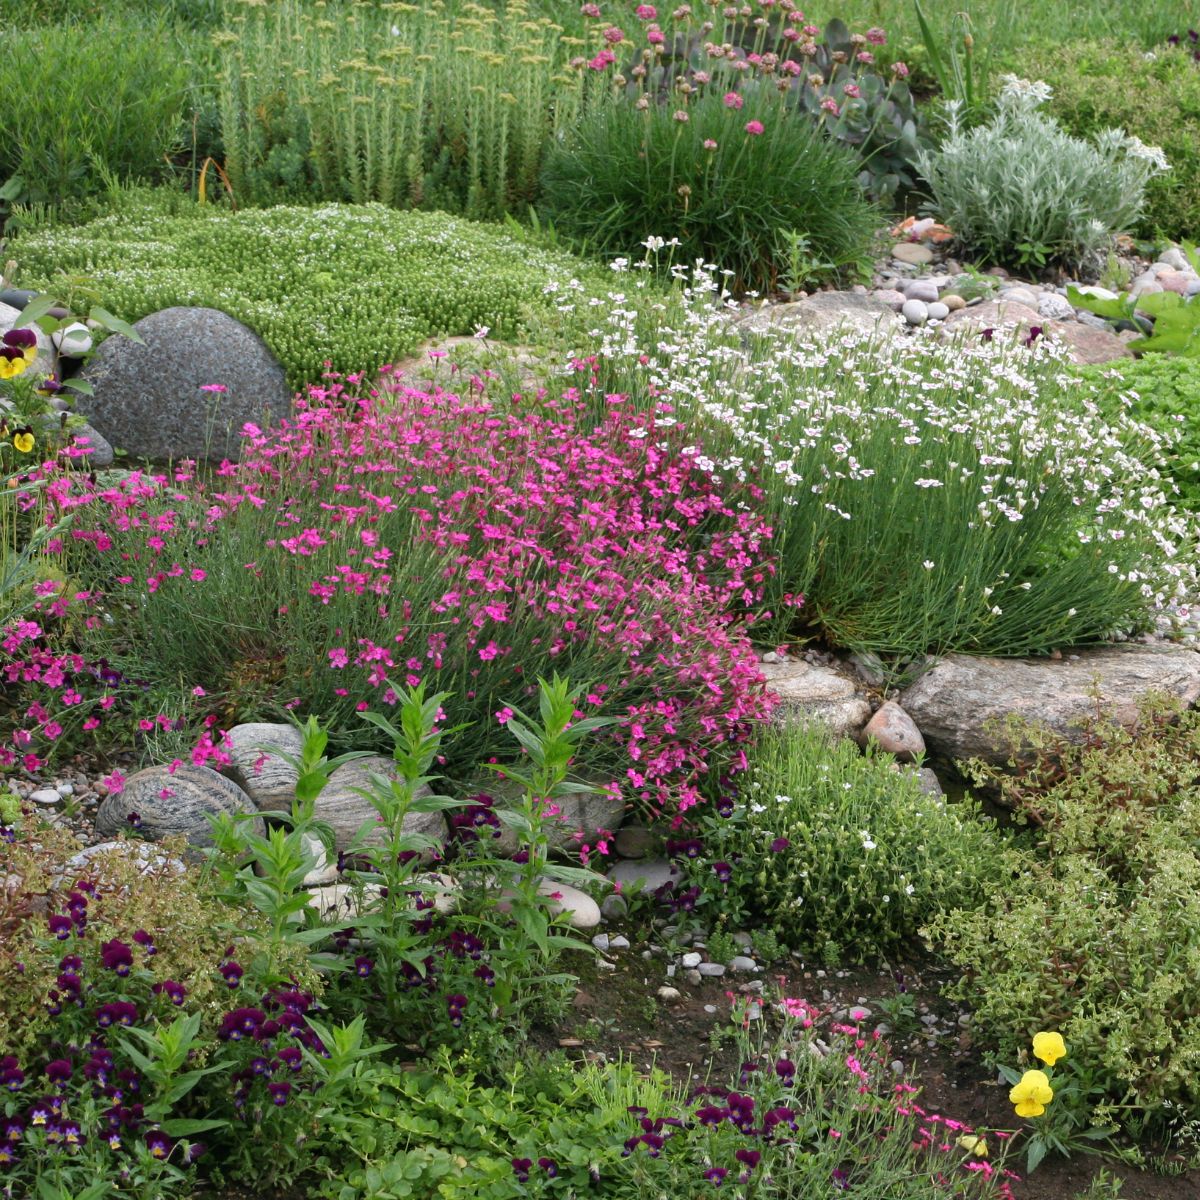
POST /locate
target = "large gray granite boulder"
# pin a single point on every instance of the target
(256, 763)
(150, 399)
(961, 700)
(825, 313)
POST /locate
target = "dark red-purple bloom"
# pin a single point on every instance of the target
(23, 339)
(750, 1158)
(716, 1175)
(116, 956)
(159, 1145)
(232, 973)
(723, 871)
(60, 927)
(58, 1071)
(521, 1168)
(363, 967)
(779, 845)
(549, 1166)
(279, 1093)
(175, 992)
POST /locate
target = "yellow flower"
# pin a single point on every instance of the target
(1049, 1047)
(23, 442)
(973, 1145)
(10, 368)
(1032, 1094)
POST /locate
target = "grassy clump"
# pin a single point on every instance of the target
(358, 286)
(1095, 929)
(1155, 97)
(835, 851)
(82, 102)
(1165, 393)
(732, 183)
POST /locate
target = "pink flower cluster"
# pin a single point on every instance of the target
(435, 538)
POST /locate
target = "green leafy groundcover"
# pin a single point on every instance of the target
(358, 286)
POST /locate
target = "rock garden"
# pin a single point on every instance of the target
(599, 600)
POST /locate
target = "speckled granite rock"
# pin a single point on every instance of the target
(811, 692)
(341, 807)
(148, 398)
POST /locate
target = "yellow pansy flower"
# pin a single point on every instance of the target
(23, 442)
(1049, 1047)
(10, 368)
(1032, 1094)
(973, 1145)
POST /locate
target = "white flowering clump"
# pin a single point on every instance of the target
(926, 494)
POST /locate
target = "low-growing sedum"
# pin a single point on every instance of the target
(1022, 191)
(358, 286)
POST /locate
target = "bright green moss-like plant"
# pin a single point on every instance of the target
(1155, 96)
(1095, 932)
(1022, 191)
(1165, 393)
(825, 844)
(355, 286)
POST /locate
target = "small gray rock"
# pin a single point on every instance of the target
(693, 976)
(169, 804)
(691, 959)
(953, 301)
(924, 290)
(614, 908)
(619, 943)
(1055, 307)
(895, 731)
(741, 962)
(98, 451)
(634, 841)
(891, 297)
(1020, 295)
(581, 910)
(1176, 259)
(915, 312)
(668, 995)
(711, 970)
(938, 311)
(45, 796)
(600, 941)
(929, 782)
(257, 764)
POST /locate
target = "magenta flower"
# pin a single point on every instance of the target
(116, 956)
(779, 845)
(614, 36)
(646, 12)
(732, 100)
(754, 128)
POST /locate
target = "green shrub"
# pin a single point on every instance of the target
(1154, 96)
(730, 196)
(925, 495)
(426, 106)
(1165, 393)
(1021, 191)
(357, 286)
(835, 850)
(80, 101)
(1095, 931)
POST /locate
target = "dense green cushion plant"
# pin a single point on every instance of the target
(1165, 393)
(1155, 96)
(358, 286)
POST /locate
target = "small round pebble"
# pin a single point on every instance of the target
(916, 312)
(938, 311)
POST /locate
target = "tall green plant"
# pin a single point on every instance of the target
(443, 105)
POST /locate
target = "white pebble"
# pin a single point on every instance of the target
(915, 312)
(938, 311)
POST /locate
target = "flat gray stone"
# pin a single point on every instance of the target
(711, 970)
(148, 399)
(913, 253)
(811, 692)
(582, 817)
(580, 909)
(170, 805)
(961, 701)
(345, 811)
(98, 451)
(256, 764)
(825, 313)
(634, 841)
(647, 874)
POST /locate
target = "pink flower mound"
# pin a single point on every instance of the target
(607, 555)
(407, 537)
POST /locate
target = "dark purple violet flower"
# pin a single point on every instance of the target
(134, 819)
(1035, 332)
(454, 1006)
(549, 1166)
(716, 1175)
(749, 1158)
(117, 1012)
(291, 1057)
(260, 1066)
(363, 967)
(779, 845)
(58, 1072)
(175, 992)
(723, 871)
(710, 1114)
(279, 1093)
(60, 927)
(486, 974)
(987, 334)
(146, 942)
(116, 956)
(841, 1180)
(159, 1145)
(521, 1168)
(785, 1069)
(12, 1130)
(71, 962)
(232, 973)
(22, 339)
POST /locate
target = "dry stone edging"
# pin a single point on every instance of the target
(961, 699)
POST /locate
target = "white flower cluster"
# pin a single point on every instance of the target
(1033, 91)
